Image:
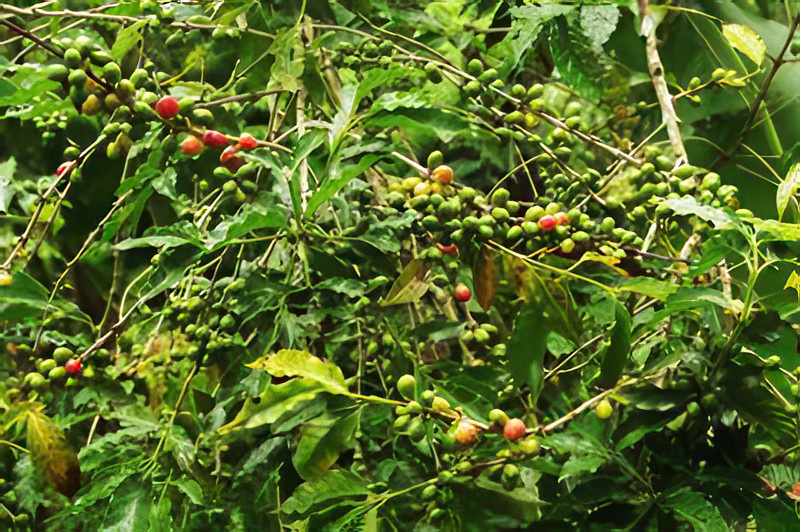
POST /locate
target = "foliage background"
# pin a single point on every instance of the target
(241, 343)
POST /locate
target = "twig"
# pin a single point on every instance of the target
(656, 68)
(544, 429)
(413, 164)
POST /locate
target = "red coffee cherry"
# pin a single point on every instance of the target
(191, 145)
(247, 141)
(562, 218)
(547, 222)
(514, 429)
(167, 107)
(214, 139)
(463, 293)
(228, 154)
(73, 366)
(64, 167)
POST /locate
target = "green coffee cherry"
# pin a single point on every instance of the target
(500, 197)
(435, 158)
(500, 214)
(475, 67)
(72, 58)
(112, 73)
(406, 386)
(62, 354)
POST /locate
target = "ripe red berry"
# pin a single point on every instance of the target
(191, 145)
(167, 107)
(514, 429)
(247, 141)
(228, 154)
(547, 222)
(466, 433)
(214, 139)
(463, 293)
(64, 167)
(562, 218)
(230, 160)
(73, 366)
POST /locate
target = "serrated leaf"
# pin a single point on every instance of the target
(484, 277)
(50, 453)
(746, 41)
(334, 484)
(410, 286)
(787, 189)
(292, 363)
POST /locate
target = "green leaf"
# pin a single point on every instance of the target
(649, 287)
(746, 41)
(7, 191)
(688, 205)
(276, 402)
(617, 354)
(408, 287)
(287, 48)
(127, 38)
(334, 484)
(129, 507)
(292, 363)
(191, 489)
(323, 439)
(331, 186)
(695, 509)
(526, 349)
(787, 189)
(581, 465)
(776, 230)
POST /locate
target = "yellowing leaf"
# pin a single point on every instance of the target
(787, 189)
(746, 41)
(793, 282)
(409, 287)
(292, 363)
(57, 463)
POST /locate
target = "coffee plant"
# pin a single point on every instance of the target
(442, 265)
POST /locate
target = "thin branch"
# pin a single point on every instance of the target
(656, 68)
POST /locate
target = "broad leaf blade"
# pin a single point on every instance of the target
(292, 363)
(617, 354)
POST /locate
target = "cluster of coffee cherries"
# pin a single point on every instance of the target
(36, 372)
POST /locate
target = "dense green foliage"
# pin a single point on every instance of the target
(385, 265)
